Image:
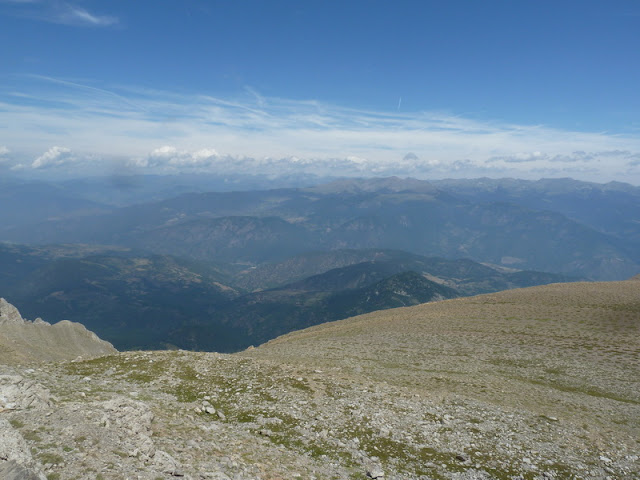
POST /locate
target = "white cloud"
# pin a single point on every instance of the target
(634, 161)
(610, 157)
(54, 157)
(520, 157)
(3, 150)
(252, 133)
(169, 158)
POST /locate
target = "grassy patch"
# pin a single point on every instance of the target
(32, 436)
(15, 423)
(300, 385)
(51, 458)
(586, 390)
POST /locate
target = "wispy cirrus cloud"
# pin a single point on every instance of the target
(73, 15)
(54, 11)
(568, 158)
(167, 132)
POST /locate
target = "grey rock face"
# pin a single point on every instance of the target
(12, 470)
(9, 314)
(167, 464)
(16, 462)
(133, 419)
(25, 342)
(18, 393)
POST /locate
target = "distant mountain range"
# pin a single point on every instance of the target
(610, 208)
(160, 301)
(163, 262)
(562, 226)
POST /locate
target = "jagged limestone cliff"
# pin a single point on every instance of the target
(22, 341)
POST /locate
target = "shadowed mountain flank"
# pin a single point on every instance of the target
(158, 301)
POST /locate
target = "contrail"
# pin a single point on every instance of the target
(399, 102)
(86, 87)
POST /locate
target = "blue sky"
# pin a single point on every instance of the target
(429, 89)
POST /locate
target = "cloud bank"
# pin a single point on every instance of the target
(164, 132)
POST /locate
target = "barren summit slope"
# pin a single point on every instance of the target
(535, 384)
(530, 347)
(561, 351)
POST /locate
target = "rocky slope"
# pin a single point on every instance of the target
(22, 341)
(537, 384)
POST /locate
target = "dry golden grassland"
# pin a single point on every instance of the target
(562, 350)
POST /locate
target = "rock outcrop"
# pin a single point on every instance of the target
(22, 341)
(16, 462)
(9, 315)
(19, 394)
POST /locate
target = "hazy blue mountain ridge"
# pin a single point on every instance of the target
(609, 208)
(562, 226)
